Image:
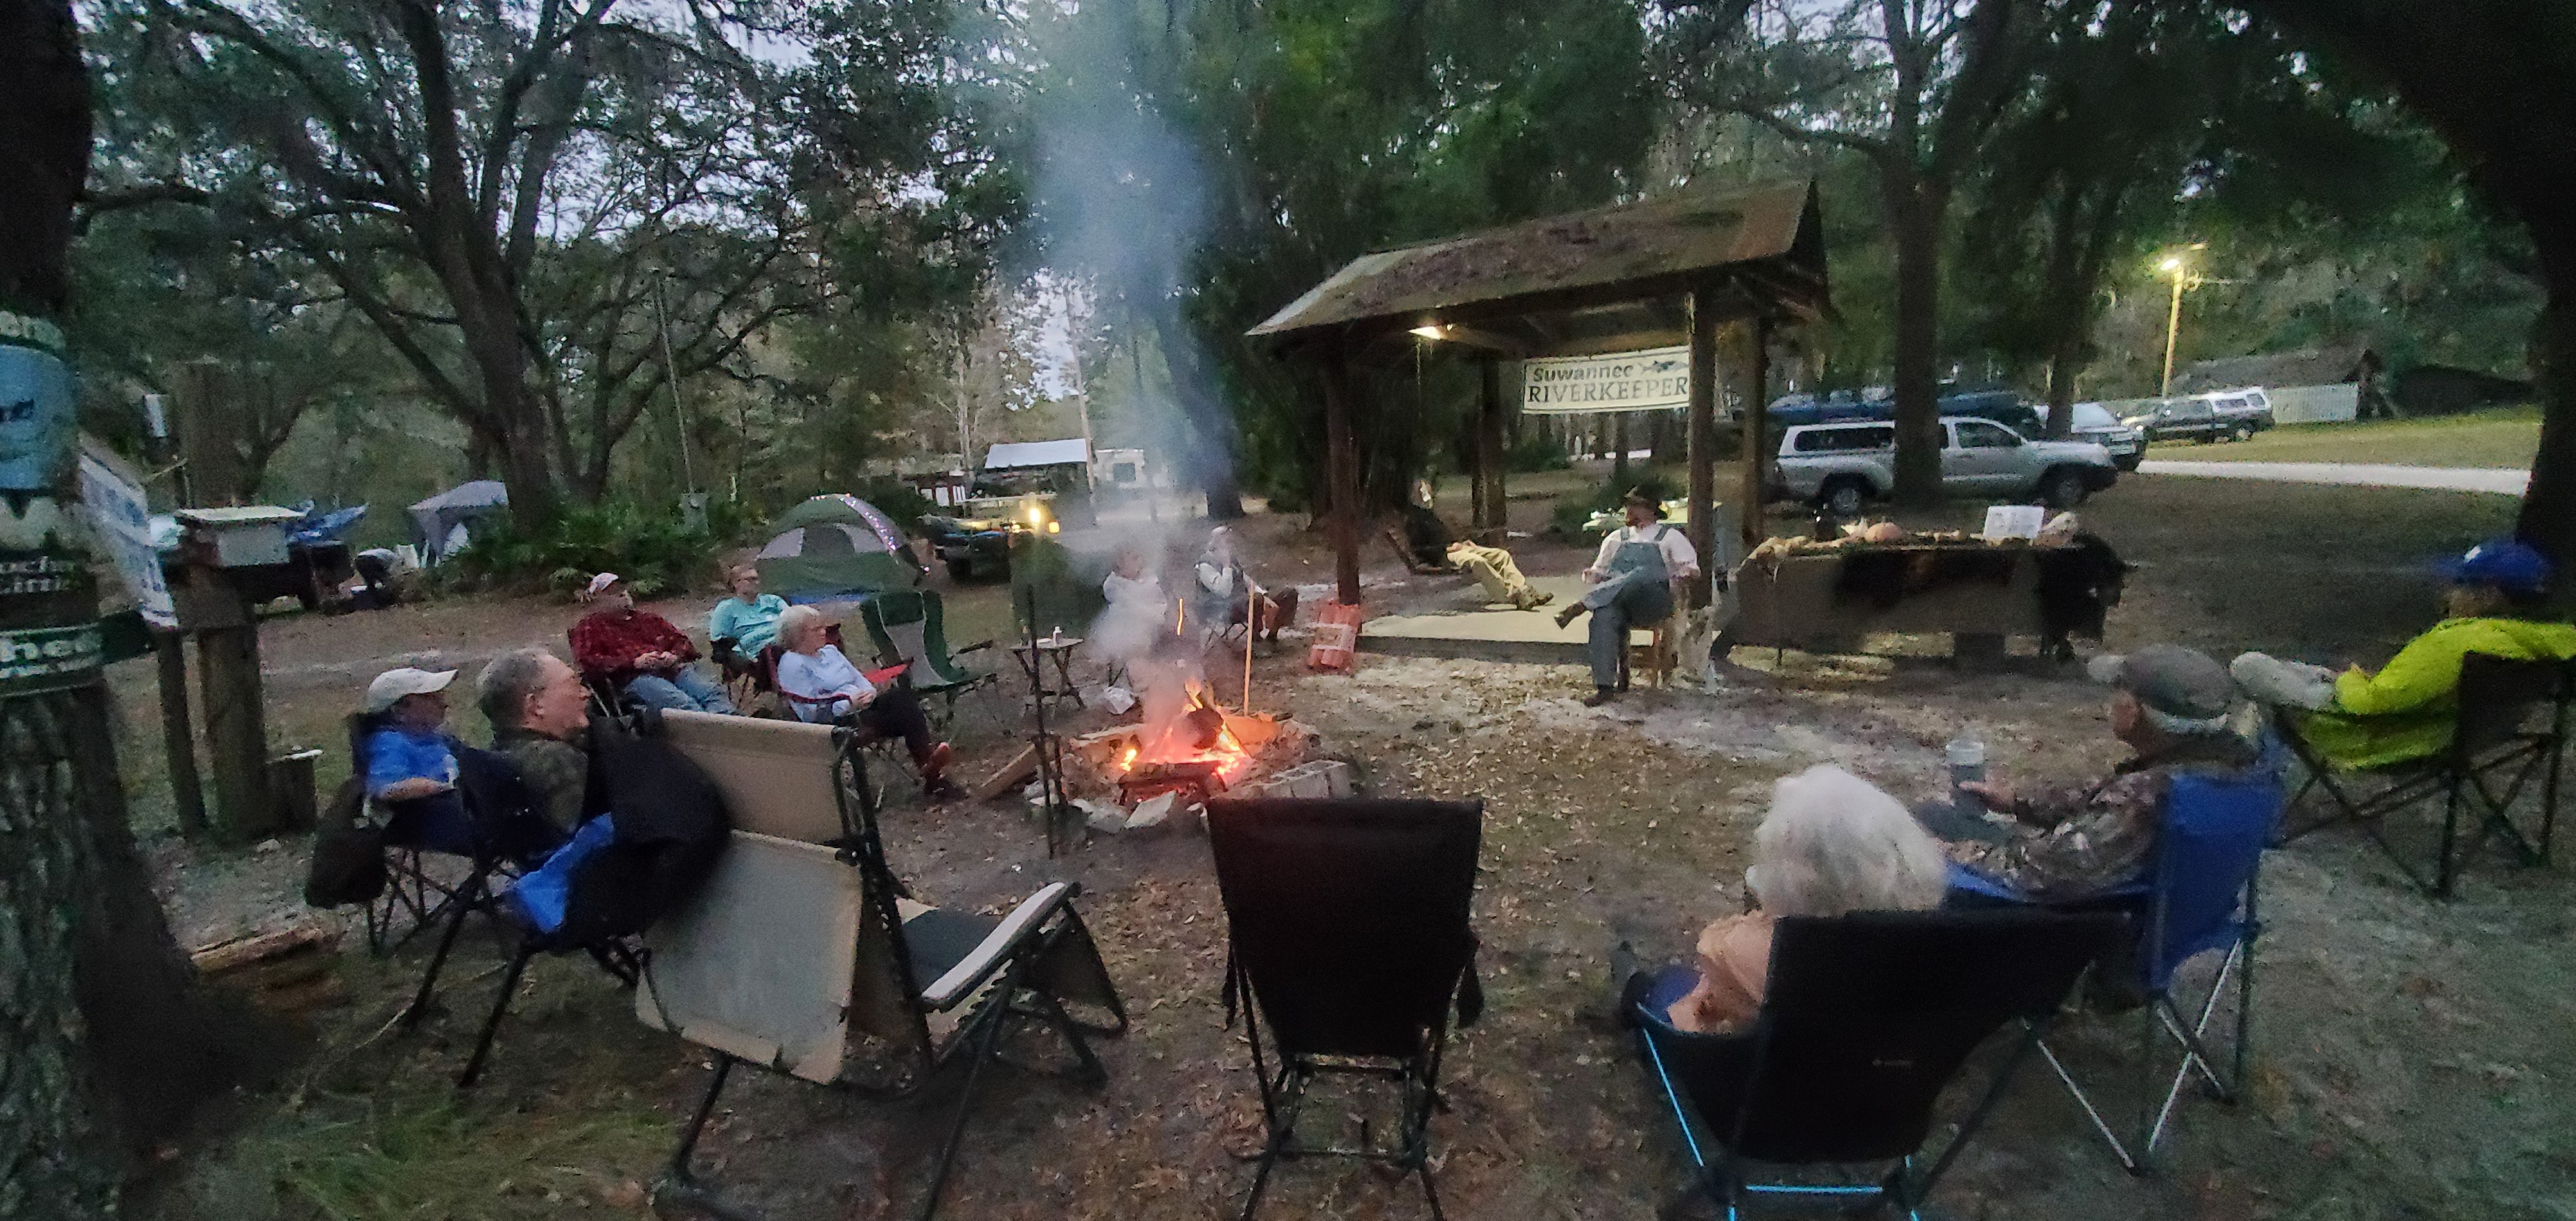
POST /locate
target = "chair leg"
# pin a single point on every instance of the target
(461, 906)
(2450, 837)
(985, 1040)
(500, 1006)
(2119, 1149)
(1429, 1193)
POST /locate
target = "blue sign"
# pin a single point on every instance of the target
(37, 419)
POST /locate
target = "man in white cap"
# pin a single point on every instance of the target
(408, 752)
(641, 653)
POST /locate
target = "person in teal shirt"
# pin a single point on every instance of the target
(749, 618)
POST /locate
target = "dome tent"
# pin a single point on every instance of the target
(834, 546)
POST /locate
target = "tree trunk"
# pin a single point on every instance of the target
(2548, 518)
(2062, 293)
(1915, 222)
(104, 1041)
(1210, 439)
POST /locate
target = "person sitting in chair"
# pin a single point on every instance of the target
(742, 625)
(2065, 843)
(1418, 535)
(409, 754)
(822, 685)
(539, 713)
(640, 653)
(1833, 843)
(1227, 595)
(2497, 604)
(1638, 578)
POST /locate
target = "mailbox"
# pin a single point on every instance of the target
(237, 538)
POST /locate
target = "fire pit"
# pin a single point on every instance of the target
(1133, 764)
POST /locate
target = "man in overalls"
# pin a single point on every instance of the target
(1636, 579)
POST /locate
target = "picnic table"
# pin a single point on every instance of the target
(1828, 602)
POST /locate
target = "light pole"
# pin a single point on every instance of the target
(2178, 266)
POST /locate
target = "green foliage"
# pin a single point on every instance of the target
(652, 548)
(1567, 518)
(898, 500)
(1535, 451)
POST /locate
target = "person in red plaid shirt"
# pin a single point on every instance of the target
(640, 653)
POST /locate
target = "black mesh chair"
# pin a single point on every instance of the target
(1865, 1019)
(2511, 730)
(1347, 923)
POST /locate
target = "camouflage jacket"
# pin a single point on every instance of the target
(2075, 840)
(556, 772)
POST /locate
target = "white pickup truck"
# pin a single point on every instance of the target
(1842, 467)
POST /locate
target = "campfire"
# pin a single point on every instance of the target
(1202, 751)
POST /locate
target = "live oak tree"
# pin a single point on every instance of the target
(547, 211)
(2497, 79)
(1911, 86)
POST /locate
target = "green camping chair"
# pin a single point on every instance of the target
(908, 625)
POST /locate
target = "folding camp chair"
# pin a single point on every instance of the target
(486, 826)
(2512, 727)
(2198, 897)
(653, 825)
(910, 625)
(802, 944)
(1865, 1019)
(1347, 928)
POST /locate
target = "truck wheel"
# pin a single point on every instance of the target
(2063, 488)
(1844, 498)
(2244, 432)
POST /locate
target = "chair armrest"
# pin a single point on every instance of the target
(1015, 933)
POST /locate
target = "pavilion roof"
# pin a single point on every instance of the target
(1607, 279)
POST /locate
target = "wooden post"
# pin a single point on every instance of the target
(1703, 437)
(209, 411)
(178, 733)
(1489, 443)
(1342, 470)
(1757, 409)
(1619, 442)
(236, 713)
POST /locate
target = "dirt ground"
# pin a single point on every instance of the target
(2412, 1058)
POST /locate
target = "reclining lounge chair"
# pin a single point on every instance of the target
(803, 942)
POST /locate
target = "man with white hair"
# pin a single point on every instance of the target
(641, 653)
(2170, 705)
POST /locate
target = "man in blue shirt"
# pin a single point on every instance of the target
(408, 754)
(749, 618)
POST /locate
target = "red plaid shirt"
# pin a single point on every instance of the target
(606, 644)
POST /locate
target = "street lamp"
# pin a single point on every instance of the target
(2178, 266)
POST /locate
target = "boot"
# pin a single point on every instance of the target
(1566, 617)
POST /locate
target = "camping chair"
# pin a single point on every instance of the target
(2198, 897)
(1661, 654)
(909, 625)
(653, 825)
(1865, 1019)
(746, 675)
(802, 945)
(486, 825)
(1347, 929)
(2512, 728)
(890, 751)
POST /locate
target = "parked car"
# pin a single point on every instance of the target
(2094, 422)
(1842, 467)
(2002, 406)
(2242, 413)
(2183, 419)
(972, 547)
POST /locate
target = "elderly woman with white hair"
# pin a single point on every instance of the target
(1833, 843)
(820, 684)
(1227, 595)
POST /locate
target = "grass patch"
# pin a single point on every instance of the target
(373, 1156)
(2502, 438)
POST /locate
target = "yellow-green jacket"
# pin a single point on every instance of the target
(2406, 711)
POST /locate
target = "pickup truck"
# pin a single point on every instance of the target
(2094, 422)
(2242, 412)
(2184, 419)
(1842, 467)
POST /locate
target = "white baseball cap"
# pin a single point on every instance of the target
(392, 685)
(599, 584)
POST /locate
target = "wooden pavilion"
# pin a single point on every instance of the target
(1661, 271)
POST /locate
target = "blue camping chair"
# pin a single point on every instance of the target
(1866, 1019)
(2198, 897)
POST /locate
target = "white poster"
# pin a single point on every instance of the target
(1655, 379)
(124, 525)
